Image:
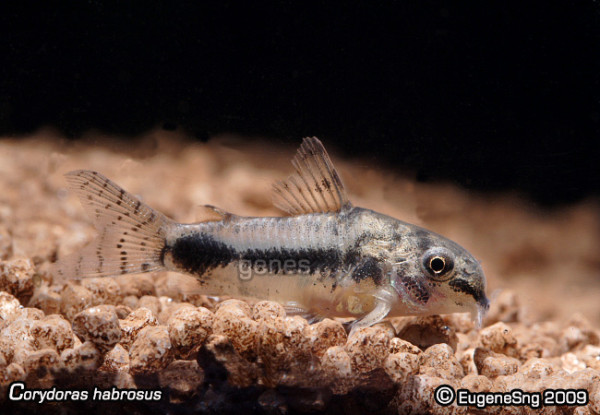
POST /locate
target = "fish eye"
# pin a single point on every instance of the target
(438, 263)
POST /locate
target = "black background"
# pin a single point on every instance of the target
(491, 95)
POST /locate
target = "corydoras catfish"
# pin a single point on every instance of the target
(328, 258)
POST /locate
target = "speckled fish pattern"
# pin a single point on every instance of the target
(327, 259)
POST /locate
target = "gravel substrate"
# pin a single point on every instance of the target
(146, 332)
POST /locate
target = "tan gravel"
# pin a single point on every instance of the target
(149, 331)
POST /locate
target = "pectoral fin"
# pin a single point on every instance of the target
(384, 300)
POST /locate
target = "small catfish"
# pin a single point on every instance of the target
(327, 259)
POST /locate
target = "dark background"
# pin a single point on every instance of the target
(491, 95)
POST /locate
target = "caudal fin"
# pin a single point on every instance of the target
(131, 234)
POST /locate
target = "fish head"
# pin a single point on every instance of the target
(438, 276)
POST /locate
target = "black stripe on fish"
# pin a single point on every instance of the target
(200, 253)
(278, 260)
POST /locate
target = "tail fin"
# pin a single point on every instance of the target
(131, 234)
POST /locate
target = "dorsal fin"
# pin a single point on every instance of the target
(316, 187)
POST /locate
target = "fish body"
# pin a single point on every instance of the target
(328, 259)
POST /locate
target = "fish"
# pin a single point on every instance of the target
(327, 258)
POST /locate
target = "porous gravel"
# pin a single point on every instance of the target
(143, 332)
